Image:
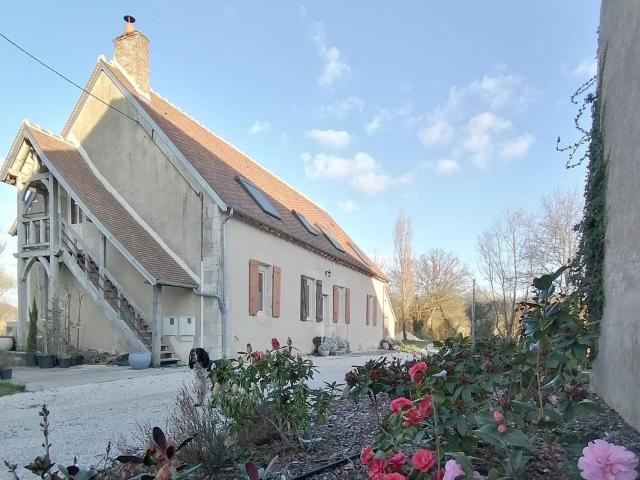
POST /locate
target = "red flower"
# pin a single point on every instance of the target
(394, 476)
(366, 455)
(396, 461)
(376, 467)
(423, 460)
(424, 406)
(400, 403)
(412, 417)
(498, 417)
(438, 474)
(257, 356)
(416, 372)
(275, 344)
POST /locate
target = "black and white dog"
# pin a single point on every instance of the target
(200, 363)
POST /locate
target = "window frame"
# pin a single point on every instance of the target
(259, 197)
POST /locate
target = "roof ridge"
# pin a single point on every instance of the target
(45, 131)
(238, 149)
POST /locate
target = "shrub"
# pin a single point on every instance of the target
(32, 335)
(267, 393)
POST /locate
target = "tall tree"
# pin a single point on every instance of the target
(403, 268)
(438, 269)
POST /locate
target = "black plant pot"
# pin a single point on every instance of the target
(46, 361)
(78, 360)
(30, 359)
(6, 373)
(65, 362)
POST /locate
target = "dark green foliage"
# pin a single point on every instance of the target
(32, 335)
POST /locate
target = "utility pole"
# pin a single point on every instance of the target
(473, 314)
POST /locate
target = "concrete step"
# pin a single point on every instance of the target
(165, 362)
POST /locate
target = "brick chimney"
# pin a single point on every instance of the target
(131, 51)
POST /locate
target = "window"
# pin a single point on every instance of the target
(261, 288)
(305, 223)
(264, 289)
(76, 213)
(311, 299)
(372, 310)
(333, 240)
(259, 197)
(341, 304)
(360, 254)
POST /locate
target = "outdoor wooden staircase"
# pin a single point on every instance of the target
(107, 293)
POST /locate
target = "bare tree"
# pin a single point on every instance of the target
(505, 261)
(438, 270)
(403, 269)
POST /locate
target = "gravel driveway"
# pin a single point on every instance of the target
(85, 417)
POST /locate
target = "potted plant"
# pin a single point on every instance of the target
(64, 337)
(5, 372)
(45, 359)
(78, 358)
(317, 341)
(30, 357)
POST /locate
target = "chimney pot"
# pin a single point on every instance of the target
(129, 26)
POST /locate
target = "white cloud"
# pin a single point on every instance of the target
(342, 108)
(259, 127)
(361, 171)
(335, 139)
(349, 206)
(446, 166)
(517, 147)
(586, 68)
(438, 132)
(334, 66)
(500, 91)
(373, 125)
(481, 136)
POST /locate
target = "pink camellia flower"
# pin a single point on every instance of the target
(452, 470)
(602, 460)
(498, 417)
(416, 372)
(412, 417)
(399, 403)
(502, 428)
(275, 344)
(423, 460)
(396, 461)
(366, 455)
(394, 476)
(424, 406)
(376, 467)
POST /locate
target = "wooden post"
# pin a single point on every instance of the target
(156, 326)
(54, 265)
(23, 301)
(102, 263)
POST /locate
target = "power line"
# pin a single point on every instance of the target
(64, 77)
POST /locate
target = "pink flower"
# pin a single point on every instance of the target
(275, 344)
(416, 372)
(257, 355)
(502, 428)
(498, 417)
(376, 467)
(452, 470)
(396, 461)
(366, 455)
(399, 403)
(164, 473)
(602, 460)
(412, 417)
(424, 406)
(394, 476)
(423, 460)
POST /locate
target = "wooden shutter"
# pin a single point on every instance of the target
(368, 309)
(253, 287)
(319, 302)
(375, 310)
(347, 305)
(275, 293)
(304, 301)
(336, 303)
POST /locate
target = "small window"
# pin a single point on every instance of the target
(360, 254)
(305, 223)
(261, 290)
(76, 213)
(333, 240)
(307, 299)
(259, 197)
(172, 321)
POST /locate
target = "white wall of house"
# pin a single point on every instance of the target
(244, 243)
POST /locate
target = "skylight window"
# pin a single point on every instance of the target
(259, 197)
(333, 240)
(305, 223)
(360, 254)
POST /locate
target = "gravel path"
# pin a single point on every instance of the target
(85, 417)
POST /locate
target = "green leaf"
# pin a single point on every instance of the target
(517, 438)
(461, 425)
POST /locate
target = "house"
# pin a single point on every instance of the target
(172, 237)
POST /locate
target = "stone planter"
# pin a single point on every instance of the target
(65, 362)
(6, 373)
(6, 343)
(30, 359)
(46, 361)
(139, 360)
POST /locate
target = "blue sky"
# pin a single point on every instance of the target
(448, 109)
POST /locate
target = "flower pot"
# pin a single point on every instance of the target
(46, 361)
(6, 343)
(30, 359)
(6, 373)
(139, 360)
(64, 362)
(79, 359)
(323, 351)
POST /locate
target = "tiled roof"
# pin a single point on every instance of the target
(219, 163)
(108, 210)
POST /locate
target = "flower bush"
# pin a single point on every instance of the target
(267, 393)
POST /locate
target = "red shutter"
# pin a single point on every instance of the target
(368, 309)
(275, 293)
(253, 287)
(347, 305)
(336, 303)
(375, 310)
